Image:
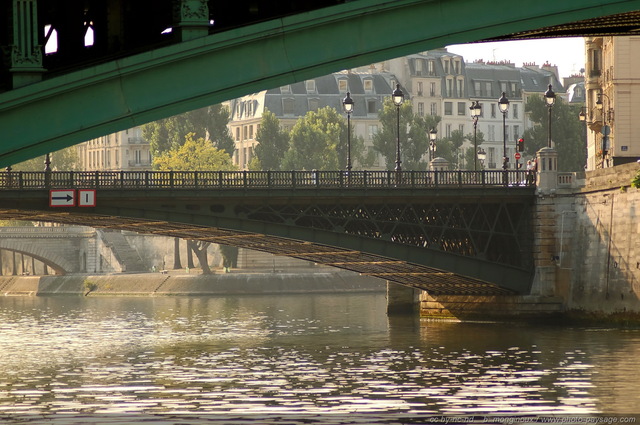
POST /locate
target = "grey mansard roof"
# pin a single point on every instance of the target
(327, 93)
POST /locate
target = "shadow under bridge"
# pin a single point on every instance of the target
(445, 239)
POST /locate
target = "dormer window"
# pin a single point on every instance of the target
(343, 85)
(285, 89)
(368, 85)
(311, 86)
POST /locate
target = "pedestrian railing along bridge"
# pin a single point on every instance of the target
(447, 232)
(261, 179)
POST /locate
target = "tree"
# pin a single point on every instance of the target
(194, 155)
(566, 128)
(63, 160)
(207, 123)
(414, 139)
(316, 140)
(273, 143)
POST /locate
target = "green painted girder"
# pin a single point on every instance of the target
(72, 108)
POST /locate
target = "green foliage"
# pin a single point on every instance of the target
(636, 180)
(316, 140)
(89, 285)
(414, 138)
(63, 160)
(207, 123)
(194, 155)
(273, 143)
(567, 132)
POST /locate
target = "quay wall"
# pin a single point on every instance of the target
(598, 269)
(183, 284)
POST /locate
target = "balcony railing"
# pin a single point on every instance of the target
(26, 180)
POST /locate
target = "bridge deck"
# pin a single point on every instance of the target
(447, 232)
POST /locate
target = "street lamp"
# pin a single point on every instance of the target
(398, 99)
(582, 116)
(433, 134)
(550, 99)
(503, 104)
(606, 130)
(347, 104)
(482, 155)
(476, 110)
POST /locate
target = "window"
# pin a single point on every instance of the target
(516, 132)
(420, 88)
(418, 63)
(287, 106)
(421, 109)
(368, 85)
(432, 89)
(311, 86)
(462, 108)
(432, 67)
(250, 132)
(447, 130)
(515, 110)
(285, 89)
(456, 67)
(446, 66)
(373, 130)
(449, 87)
(371, 106)
(314, 104)
(343, 86)
(488, 88)
(492, 132)
(460, 88)
(237, 133)
(434, 108)
(448, 108)
(493, 110)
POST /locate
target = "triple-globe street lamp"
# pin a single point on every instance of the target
(476, 111)
(398, 99)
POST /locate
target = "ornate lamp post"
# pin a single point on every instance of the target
(606, 130)
(433, 134)
(347, 104)
(398, 99)
(550, 99)
(482, 155)
(503, 104)
(476, 111)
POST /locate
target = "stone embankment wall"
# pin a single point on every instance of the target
(598, 264)
(182, 284)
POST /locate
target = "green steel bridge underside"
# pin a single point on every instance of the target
(133, 73)
(460, 233)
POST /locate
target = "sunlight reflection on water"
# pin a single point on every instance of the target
(319, 355)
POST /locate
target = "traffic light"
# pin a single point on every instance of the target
(521, 145)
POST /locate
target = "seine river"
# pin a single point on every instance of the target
(300, 359)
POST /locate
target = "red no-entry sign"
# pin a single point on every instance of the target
(517, 155)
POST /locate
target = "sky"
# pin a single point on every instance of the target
(566, 53)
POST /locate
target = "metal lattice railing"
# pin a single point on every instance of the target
(260, 179)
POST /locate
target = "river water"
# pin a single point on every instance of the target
(299, 359)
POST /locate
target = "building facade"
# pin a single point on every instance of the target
(291, 102)
(125, 150)
(612, 86)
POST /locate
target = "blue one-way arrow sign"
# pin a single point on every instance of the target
(62, 198)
